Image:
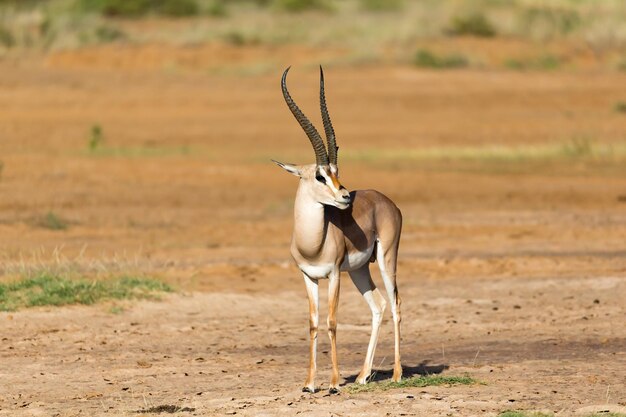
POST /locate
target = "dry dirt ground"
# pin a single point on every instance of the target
(536, 344)
(511, 271)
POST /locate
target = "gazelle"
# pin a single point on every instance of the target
(336, 230)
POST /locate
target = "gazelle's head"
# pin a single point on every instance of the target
(320, 180)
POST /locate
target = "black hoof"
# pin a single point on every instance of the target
(307, 389)
(333, 391)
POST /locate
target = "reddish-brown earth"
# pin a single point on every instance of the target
(513, 272)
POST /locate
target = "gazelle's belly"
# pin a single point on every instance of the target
(357, 259)
(351, 261)
(316, 271)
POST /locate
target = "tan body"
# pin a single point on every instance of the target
(346, 238)
(335, 231)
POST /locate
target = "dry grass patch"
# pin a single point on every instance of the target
(579, 148)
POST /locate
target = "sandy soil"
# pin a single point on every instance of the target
(514, 273)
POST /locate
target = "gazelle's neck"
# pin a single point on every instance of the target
(309, 229)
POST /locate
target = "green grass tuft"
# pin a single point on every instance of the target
(427, 59)
(217, 8)
(295, 6)
(579, 147)
(416, 381)
(546, 62)
(96, 137)
(238, 38)
(56, 290)
(107, 34)
(620, 107)
(7, 39)
(140, 8)
(472, 25)
(178, 8)
(52, 221)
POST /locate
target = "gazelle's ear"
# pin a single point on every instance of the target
(290, 168)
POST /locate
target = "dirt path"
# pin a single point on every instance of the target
(546, 344)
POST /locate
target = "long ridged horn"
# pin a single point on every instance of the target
(316, 140)
(328, 126)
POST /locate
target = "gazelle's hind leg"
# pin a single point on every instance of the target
(387, 256)
(363, 281)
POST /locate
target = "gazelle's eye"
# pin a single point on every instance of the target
(320, 178)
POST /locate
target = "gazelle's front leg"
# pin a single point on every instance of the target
(312, 290)
(333, 304)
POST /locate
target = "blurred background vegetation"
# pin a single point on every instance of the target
(558, 33)
(124, 120)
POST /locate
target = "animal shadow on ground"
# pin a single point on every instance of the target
(407, 372)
